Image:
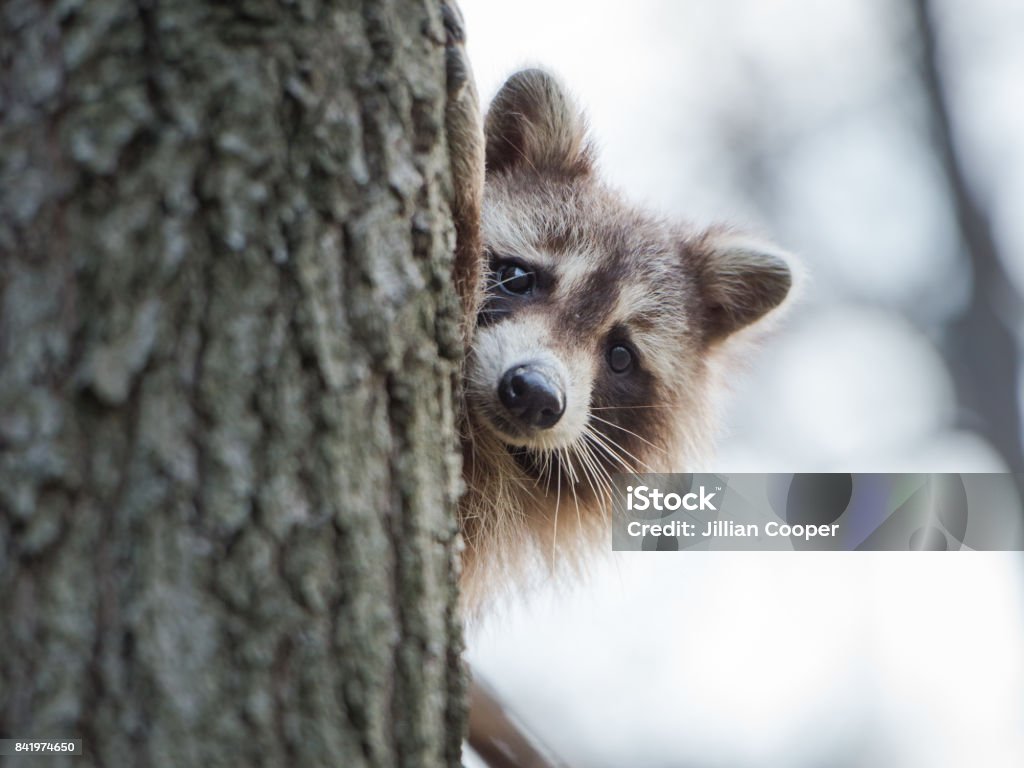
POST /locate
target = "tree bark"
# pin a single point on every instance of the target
(228, 346)
(982, 343)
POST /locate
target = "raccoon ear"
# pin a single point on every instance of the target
(741, 280)
(535, 123)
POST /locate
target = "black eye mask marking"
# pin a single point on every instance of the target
(623, 405)
(511, 283)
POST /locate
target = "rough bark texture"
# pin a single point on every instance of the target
(228, 342)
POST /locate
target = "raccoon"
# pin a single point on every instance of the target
(596, 330)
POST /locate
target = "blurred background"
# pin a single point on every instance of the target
(884, 144)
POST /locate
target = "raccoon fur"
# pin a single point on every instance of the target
(593, 335)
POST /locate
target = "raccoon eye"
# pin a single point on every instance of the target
(620, 358)
(513, 279)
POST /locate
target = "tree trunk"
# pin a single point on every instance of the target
(228, 343)
(982, 343)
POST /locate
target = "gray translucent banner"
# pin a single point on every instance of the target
(818, 512)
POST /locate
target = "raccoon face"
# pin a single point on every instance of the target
(592, 339)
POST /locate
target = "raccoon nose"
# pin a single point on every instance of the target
(530, 394)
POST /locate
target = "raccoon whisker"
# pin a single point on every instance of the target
(547, 470)
(595, 475)
(604, 478)
(595, 470)
(554, 529)
(628, 432)
(492, 283)
(596, 440)
(604, 474)
(627, 407)
(566, 453)
(610, 441)
(525, 489)
(492, 314)
(566, 456)
(518, 481)
(604, 440)
(586, 468)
